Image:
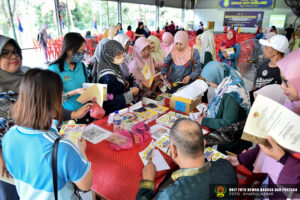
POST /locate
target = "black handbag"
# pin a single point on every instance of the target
(225, 135)
(54, 171)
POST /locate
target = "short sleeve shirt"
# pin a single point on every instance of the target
(72, 80)
(31, 165)
(267, 75)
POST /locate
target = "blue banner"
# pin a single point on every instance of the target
(243, 19)
(247, 3)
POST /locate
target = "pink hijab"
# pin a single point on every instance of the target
(167, 37)
(181, 57)
(290, 67)
(138, 60)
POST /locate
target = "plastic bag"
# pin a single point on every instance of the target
(121, 140)
(141, 133)
(97, 111)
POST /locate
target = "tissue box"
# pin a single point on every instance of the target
(184, 105)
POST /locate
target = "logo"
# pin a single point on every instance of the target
(256, 115)
(265, 73)
(220, 190)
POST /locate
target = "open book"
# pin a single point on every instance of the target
(268, 117)
(93, 90)
(72, 131)
(148, 76)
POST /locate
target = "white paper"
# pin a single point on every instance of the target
(267, 117)
(157, 159)
(95, 134)
(202, 107)
(158, 130)
(193, 90)
(194, 116)
(136, 106)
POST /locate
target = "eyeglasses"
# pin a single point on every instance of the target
(8, 54)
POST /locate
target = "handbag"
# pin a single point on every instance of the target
(54, 171)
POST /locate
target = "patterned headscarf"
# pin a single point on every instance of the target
(109, 50)
(229, 82)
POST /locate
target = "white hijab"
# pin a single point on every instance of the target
(274, 92)
(207, 45)
(122, 38)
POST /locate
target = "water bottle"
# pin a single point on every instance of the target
(117, 122)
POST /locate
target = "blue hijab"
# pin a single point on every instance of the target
(229, 81)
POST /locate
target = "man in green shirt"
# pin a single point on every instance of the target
(196, 175)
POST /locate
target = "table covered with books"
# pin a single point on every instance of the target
(116, 174)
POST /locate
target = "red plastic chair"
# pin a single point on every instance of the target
(36, 44)
(90, 47)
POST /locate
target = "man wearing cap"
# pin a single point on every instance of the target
(268, 73)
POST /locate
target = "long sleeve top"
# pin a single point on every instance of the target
(178, 73)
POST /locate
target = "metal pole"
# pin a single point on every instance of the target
(119, 12)
(157, 14)
(107, 19)
(59, 28)
(12, 21)
(182, 13)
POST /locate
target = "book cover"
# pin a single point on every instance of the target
(72, 131)
(213, 155)
(163, 143)
(157, 108)
(170, 118)
(146, 113)
(129, 119)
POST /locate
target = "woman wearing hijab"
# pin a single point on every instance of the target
(156, 52)
(10, 78)
(198, 43)
(183, 61)
(124, 40)
(141, 57)
(110, 73)
(207, 52)
(229, 48)
(290, 72)
(167, 43)
(231, 103)
(281, 165)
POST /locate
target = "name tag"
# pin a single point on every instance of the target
(67, 78)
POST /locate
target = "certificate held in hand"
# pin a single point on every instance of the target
(268, 117)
